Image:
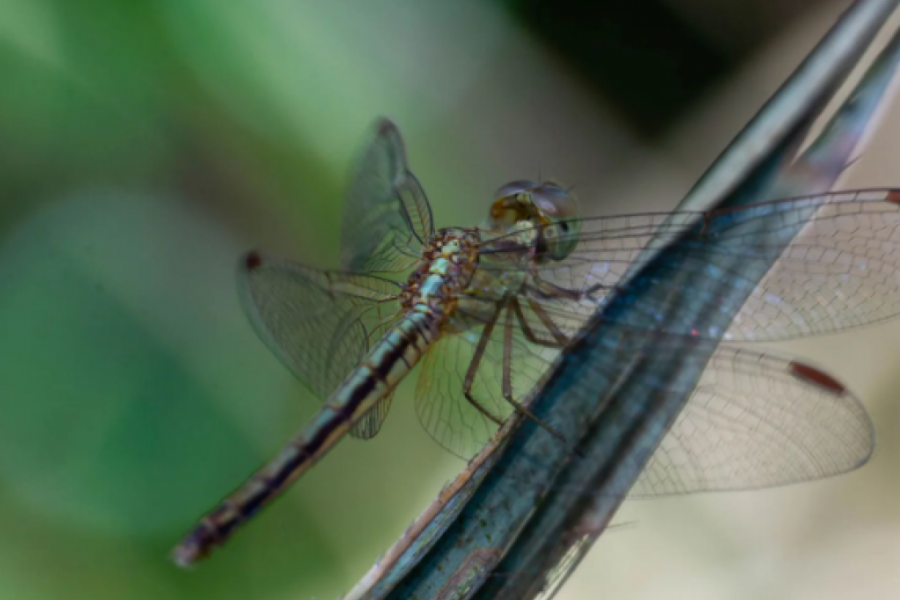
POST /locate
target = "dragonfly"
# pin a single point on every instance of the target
(487, 310)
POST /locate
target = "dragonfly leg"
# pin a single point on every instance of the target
(548, 322)
(560, 338)
(548, 288)
(507, 377)
(530, 335)
(507, 365)
(473, 368)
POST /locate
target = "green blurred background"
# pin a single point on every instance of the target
(145, 145)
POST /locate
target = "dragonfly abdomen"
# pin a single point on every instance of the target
(398, 351)
(392, 357)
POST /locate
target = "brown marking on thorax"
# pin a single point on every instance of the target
(443, 272)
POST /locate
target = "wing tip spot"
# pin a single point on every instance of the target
(816, 377)
(385, 126)
(252, 261)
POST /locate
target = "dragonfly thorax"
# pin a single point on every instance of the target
(442, 273)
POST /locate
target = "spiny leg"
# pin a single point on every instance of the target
(549, 323)
(473, 367)
(529, 333)
(507, 379)
(560, 339)
(548, 288)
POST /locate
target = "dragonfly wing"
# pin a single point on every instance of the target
(755, 421)
(841, 270)
(367, 426)
(319, 323)
(460, 396)
(387, 217)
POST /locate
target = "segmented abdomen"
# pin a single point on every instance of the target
(392, 357)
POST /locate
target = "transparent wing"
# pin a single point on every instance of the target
(319, 323)
(759, 420)
(387, 217)
(466, 378)
(754, 420)
(448, 417)
(841, 271)
(513, 585)
(368, 425)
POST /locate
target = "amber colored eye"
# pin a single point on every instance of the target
(554, 202)
(561, 210)
(514, 188)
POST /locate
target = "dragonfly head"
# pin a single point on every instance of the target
(546, 207)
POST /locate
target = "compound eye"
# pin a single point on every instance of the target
(560, 209)
(514, 188)
(554, 202)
